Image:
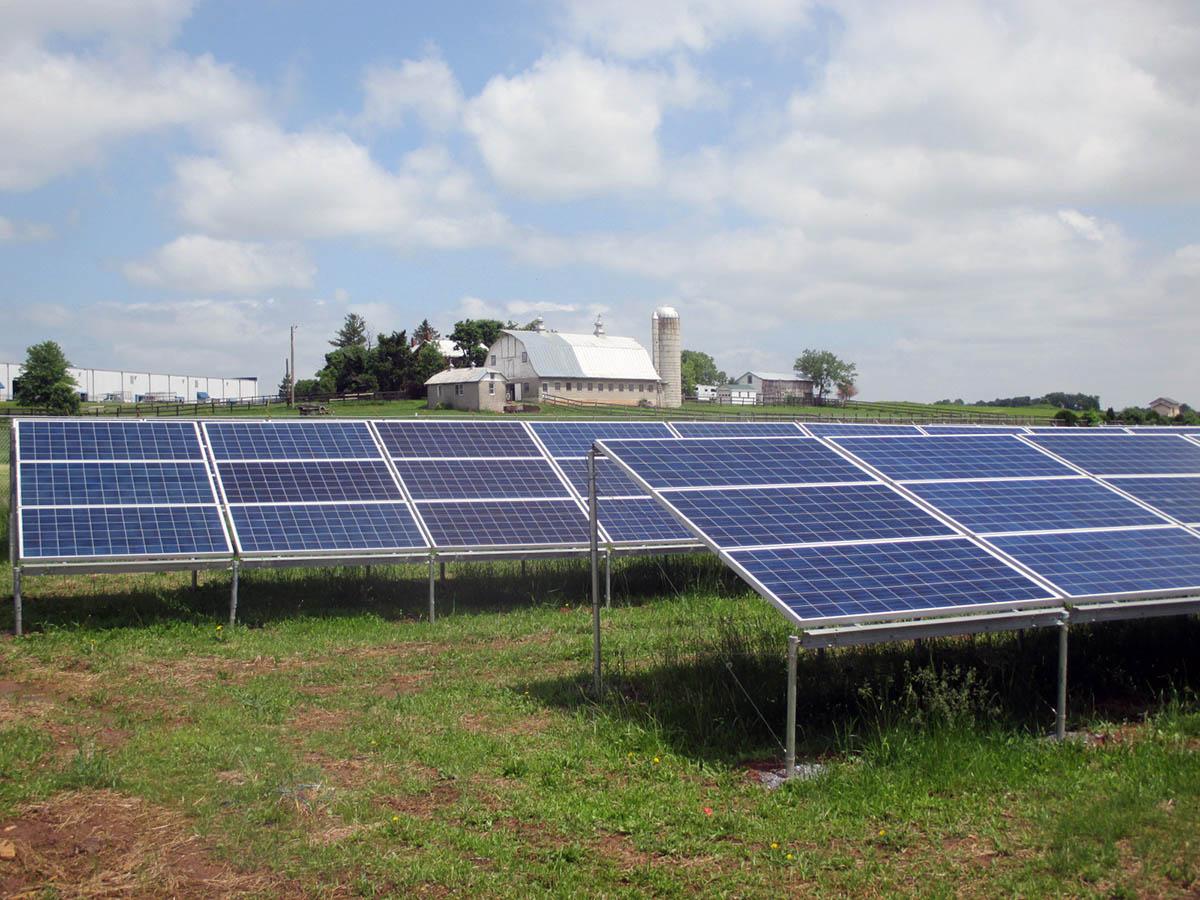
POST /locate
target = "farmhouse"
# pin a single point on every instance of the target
(473, 389)
(1166, 407)
(778, 387)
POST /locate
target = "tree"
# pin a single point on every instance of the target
(428, 362)
(45, 381)
(285, 386)
(473, 337)
(699, 368)
(824, 370)
(348, 371)
(846, 390)
(392, 361)
(307, 388)
(353, 332)
(425, 333)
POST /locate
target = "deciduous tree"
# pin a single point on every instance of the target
(824, 370)
(45, 381)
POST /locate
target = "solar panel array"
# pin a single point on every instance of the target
(114, 490)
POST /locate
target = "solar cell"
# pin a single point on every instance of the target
(121, 531)
(951, 456)
(715, 462)
(324, 480)
(576, 438)
(836, 429)
(290, 440)
(1103, 431)
(82, 440)
(856, 581)
(463, 479)
(113, 483)
(505, 524)
(315, 528)
(1126, 454)
(1097, 563)
(1177, 497)
(640, 520)
(991, 506)
(743, 518)
(456, 439)
(1164, 429)
(611, 480)
(736, 429)
(973, 429)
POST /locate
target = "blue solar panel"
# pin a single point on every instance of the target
(973, 429)
(576, 438)
(1165, 429)
(129, 531)
(1095, 563)
(714, 462)
(743, 518)
(990, 506)
(836, 429)
(324, 480)
(640, 520)
(291, 528)
(912, 458)
(611, 480)
(291, 440)
(456, 439)
(886, 580)
(465, 479)
(736, 429)
(506, 524)
(113, 483)
(1177, 497)
(1128, 454)
(1070, 431)
(82, 440)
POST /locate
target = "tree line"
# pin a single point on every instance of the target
(1061, 399)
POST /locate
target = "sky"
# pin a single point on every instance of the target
(966, 199)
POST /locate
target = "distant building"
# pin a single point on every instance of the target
(594, 366)
(1166, 407)
(706, 393)
(125, 386)
(778, 387)
(468, 389)
(738, 394)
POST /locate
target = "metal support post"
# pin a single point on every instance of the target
(608, 579)
(789, 753)
(17, 600)
(432, 594)
(594, 543)
(233, 596)
(195, 579)
(1060, 710)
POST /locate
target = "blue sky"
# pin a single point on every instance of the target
(967, 199)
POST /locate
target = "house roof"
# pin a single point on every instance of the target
(555, 354)
(774, 376)
(466, 376)
(1164, 401)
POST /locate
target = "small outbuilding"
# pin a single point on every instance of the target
(738, 395)
(1166, 407)
(467, 389)
(779, 387)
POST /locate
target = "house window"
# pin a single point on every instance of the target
(567, 388)
(491, 387)
(458, 389)
(493, 359)
(524, 357)
(558, 385)
(611, 387)
(620, 387)
(591, 386)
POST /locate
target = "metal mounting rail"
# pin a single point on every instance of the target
(883, 632)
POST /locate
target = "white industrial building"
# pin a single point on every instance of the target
(124, 386)
(597, 367)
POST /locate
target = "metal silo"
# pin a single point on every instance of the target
(666, 346)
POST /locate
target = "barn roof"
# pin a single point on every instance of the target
(554, 354)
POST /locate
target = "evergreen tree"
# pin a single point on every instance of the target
(353, 332)
(393, 362)
(425, 333)
(45, 381)
(428, 362)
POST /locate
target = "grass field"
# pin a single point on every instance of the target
(333, 744)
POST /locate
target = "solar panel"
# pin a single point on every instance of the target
(505, 524)
(563, 439)
(992, 506)
(110, 532)
(736, 429)
(83, 440)
(753, 517)
(113, 483)
(1099, 563)
(986, 456)
(836, 429)
(1126, 454)
(715, 462)
(326, 528)
(1164, 429)
(308, 481)
(611, 480)
(973, 429)
(290, 440)
(461, 479)
(456, 439)
(853, 582)
(1070, 431)
(1177, 497)
(640, 520)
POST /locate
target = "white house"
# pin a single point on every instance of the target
(471, 389)
(1166, 407)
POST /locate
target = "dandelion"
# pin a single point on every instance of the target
(882, 832)
(395, 818)
(220, 627)
(789, 856)
(656, 760)
(774, 845)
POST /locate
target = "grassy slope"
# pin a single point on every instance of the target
(336, 739)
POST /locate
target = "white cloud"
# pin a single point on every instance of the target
(141, 20)
(424, 87)
(635, 28)
(23, 231)
(199, 264)
(265, 182)
(573, 126)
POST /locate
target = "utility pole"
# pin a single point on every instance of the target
(292, 369)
